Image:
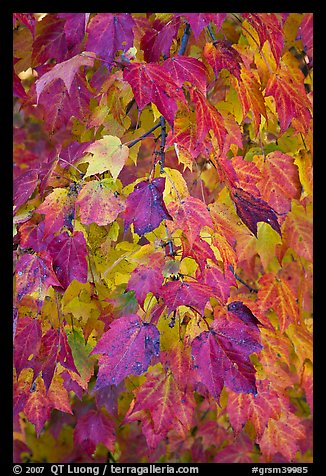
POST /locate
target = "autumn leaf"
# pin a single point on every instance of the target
(38, 407)
(252, 210)
(145, 279)
(219, 55)
(24, 186)
(198, 21)
(108, 154)
(50, 41)
(108, 33)
(186, 69)
(69, 257)
(208, 118)
(282, 436)
(34, 274)
(190, 215)
(58, 209)
(290, 99)
(221, 356)
(92, 428)
(65, 71)
(169, 407)
(275, 293)
(279, 182)
(151, 83)
(185, 293)
(257, 409)
(145, 207)
(157, 40)
(98, 203)
(126, 348)
(27, 342)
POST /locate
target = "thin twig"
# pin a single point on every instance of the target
(143, 136)
(237, 277)
(162, 147)
(184, 40)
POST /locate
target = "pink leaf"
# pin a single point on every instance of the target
(127, 348)
(69, 257)
(145, 207)
(93, 428)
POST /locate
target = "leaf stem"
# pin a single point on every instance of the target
(237, 277)
(162, 147)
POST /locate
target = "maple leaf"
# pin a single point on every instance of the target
(54, 348)
(185, 293)
(145, 279)
(241, 451)
(32, 236)
(169, 407)
(219, 282)
(280, 182)
(98, 203)
(38, 407)
(248, 175)
(186, 69)
(269, 29)
(72, 152)
(221, 356)
(184, 135)
(257, 409)
(24, 186)
(251, 210)
(58, 107)
(107, 154)
(298, 231)
(198, 21)
(290, 99)
(59, 210)
(219, 55)
(50, 41)
(207, 118)
(200, 252)
(92, 428)
(108, 33)
(190, 215)
(69, 257)
(27, 342)
(127, 348)
(282, 436)
(75, 28)
(35, 274)
(251, 97)
(65, 71)
(151, 83)
(157, 40)
(305, 33)
(145, 207)
(275, 293)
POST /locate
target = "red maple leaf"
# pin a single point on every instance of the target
(157, 40)
(221, 356)
(127, 348)
(145, 207)
(93, 428)
(24, 186)
(219, 55)
(145, 279)
(151, 83)
(198, 21)
(50, 41)
(69, 257)
(108, 33)
(185, 293)
(27, 341)
(35, 274)
(186, 69)
(251, 210)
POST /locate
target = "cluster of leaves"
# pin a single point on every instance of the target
(163, 237)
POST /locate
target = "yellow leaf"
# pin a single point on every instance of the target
(107, 154)
(175, 186)
(267, 239)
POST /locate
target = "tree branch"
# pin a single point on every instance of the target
(251, 289)
(162, 147)
(143, 136)
(184, 39)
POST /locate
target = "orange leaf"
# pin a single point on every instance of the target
(276, 294)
